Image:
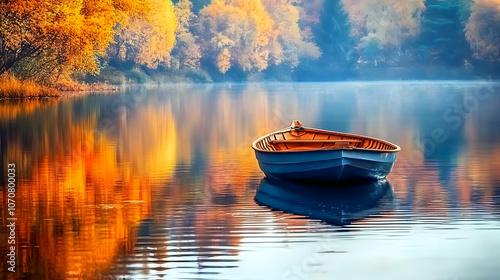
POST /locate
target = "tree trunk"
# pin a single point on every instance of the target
(10, 57)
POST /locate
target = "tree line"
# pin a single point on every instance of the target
(53, 40)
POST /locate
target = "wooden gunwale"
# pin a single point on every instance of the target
(364, 143)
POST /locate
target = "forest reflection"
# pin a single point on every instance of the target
(178, 160)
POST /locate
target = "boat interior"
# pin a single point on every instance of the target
(298, 138)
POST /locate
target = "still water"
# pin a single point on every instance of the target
(161, 183)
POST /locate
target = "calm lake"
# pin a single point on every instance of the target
(161, 183)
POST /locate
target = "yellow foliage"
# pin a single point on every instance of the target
(159, 34)
(388, 22)
(482, 29)
(148, 40)
(186, 52)
(253, 33)
(293, 45)
(224, 61)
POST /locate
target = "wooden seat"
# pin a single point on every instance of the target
(298, 141)
(297, 137)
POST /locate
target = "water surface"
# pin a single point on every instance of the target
(161, 183)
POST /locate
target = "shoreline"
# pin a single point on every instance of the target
(13, 88)
(114, 89)
(63, 94)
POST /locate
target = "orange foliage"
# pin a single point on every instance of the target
(387, 22)
(62, 35)
(10, 87)
(81, 196)
(482, 29)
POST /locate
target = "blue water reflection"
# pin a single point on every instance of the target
(337, 204)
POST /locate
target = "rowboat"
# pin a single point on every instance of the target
(300, 153)
(339, 205)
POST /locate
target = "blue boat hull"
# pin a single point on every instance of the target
(327, 165)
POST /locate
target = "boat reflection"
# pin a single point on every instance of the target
(338, 204)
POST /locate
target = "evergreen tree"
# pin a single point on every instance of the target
(331, 35)
(442, 39)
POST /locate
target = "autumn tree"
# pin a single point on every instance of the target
(290, 44)
(482, 29)
(252, 34)
(60, 36)
(309, 16)
(385, 23)
(237, 32)
(187, 52)
(198, 5)
(148, 40)
(310, 11)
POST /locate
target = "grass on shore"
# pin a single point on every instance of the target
(10, 87)
(69, 85)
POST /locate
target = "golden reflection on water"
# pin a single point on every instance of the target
(79, 197)
(82, 196)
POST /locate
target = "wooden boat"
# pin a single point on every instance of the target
(341, 205)
(300, 153)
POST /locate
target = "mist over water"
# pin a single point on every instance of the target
(161, 182)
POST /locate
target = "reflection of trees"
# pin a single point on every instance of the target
(13, 108)
(182, 157)
(228, 119)
(192, 212)
(80, 195)
(482, 160)
(447, 177)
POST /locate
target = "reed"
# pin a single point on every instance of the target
(11, 87)
(72, 86)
